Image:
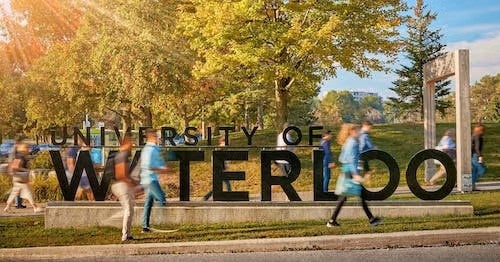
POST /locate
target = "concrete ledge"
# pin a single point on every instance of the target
(444, 237)
(88, 214)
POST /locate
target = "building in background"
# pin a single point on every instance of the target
(358, 95)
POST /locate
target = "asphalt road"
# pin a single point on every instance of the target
(477, 253)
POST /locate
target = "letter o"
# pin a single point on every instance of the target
(411, 174)
(394, 174)
(299, 136)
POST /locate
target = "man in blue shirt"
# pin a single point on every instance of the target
(365, 144)
(327, 159)
(151, 163)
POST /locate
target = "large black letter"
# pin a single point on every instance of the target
(219, 158)
(226, 133)
(394, 174)
(312, 135)
(77, 133)
(299, 135)
(103, 136)
(190, 136)
(82, 163)
(184, 173)
(268, 179)
(53, 136)
(451, 174)
(249, 135)
(170, 137)
(209, 135)
(118, 135)
(319, 195)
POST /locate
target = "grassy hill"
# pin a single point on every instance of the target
(402, 141)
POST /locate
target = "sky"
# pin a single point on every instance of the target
(465, 24)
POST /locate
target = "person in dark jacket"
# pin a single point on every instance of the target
(327, 159)
(123, 186)
(478, 167)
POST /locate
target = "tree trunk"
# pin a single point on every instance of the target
(282, 92)
(126, 118)
(186, 122)
(422, 105)
(260, 116)
(247, 116)
(148, 116)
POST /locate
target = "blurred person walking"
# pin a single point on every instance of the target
(123, 186)
(478, 167)
(152, 163)
(448, 146)
(20, 178)
(349, 182)
(327, 158)
(10, 159)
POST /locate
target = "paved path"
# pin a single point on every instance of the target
(483, 253)
(341, 242)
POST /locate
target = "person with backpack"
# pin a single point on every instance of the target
(152, 163)
(123, 186)
(20, 178)
(349, 184)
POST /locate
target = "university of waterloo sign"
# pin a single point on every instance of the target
(186, 156)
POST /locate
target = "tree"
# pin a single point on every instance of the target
(125, 55)
(422, 45)
(289, 47)
(27, 33)
(337, 107)
(33, 28)
(485, 99)
(12, 107)
(371, 108)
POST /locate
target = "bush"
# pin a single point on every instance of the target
(42, 161)
(5, 186)
(46, 188)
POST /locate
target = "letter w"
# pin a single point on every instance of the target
(83, 162)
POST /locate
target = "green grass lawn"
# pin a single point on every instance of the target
(29, 231)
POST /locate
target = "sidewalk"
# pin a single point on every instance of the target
(343, 242)
(277, 196)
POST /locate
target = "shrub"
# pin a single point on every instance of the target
(46, 188)
(5, 186)
(42, 161)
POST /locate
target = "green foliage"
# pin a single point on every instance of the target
(41, 161)
(12, 106)
(46, 188)
(289, 47)
(341, 107)
(421, 46)
(485, 99)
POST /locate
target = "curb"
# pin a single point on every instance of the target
(408, 239)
